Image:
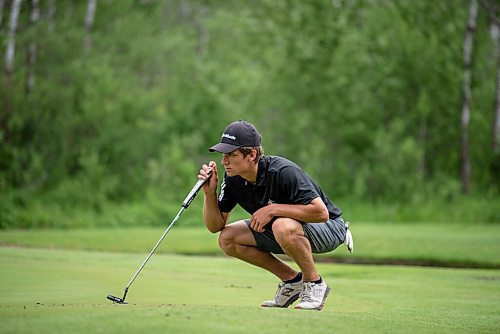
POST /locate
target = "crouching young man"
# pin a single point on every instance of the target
(290, 215)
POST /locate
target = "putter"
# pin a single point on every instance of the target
(189, 198)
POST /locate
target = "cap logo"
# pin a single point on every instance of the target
(225, 135)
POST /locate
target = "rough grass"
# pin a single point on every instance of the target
(461, 245)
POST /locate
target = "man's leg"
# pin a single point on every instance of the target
(237, 240)
(290, 236)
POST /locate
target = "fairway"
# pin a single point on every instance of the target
(61, 291)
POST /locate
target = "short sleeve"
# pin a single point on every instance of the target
(226, 201)
(297, 185)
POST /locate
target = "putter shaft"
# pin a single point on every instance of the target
(192, 194)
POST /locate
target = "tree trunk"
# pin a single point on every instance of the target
(11, 37)
(466, 92)
(493, 11)
(195, 16)
(9, 66)
(89, 21)
(202, 31)
(51, 14)
(2, 3)
(495, 141)
(32, 48)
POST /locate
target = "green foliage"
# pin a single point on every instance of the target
(364, 95)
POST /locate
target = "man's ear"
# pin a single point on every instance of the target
(253, 154)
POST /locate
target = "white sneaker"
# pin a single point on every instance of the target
(312, 296)
(286, 295)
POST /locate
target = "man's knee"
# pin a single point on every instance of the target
(226, 240)
(287, 228)
(235, 237)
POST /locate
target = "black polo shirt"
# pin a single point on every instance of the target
(278, 181)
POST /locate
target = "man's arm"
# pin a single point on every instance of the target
(313, 212)
(212, 217)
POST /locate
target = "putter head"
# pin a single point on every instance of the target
(115, 299)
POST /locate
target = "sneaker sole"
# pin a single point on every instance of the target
(319, 308)
(292, 300)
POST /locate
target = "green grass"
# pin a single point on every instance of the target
(63, 291)
(435, 244)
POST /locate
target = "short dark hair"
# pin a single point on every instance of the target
(246, 151)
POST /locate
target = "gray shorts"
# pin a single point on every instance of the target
(323, 237)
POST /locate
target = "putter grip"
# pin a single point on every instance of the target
(194, 191)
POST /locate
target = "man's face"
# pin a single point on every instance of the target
(235, 163)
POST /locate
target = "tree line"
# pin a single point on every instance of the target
(112, 104)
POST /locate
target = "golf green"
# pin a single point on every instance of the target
(63, 291)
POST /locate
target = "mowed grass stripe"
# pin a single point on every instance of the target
(61, 291)
(439, 244)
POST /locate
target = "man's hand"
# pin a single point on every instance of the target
(210, 187)
(213, 219)
(261, 218)
(314, 212)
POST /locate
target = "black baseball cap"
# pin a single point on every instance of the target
(237, 134)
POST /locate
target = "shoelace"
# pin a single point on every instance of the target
(307, 290)
(283, 291)
(277, 294)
